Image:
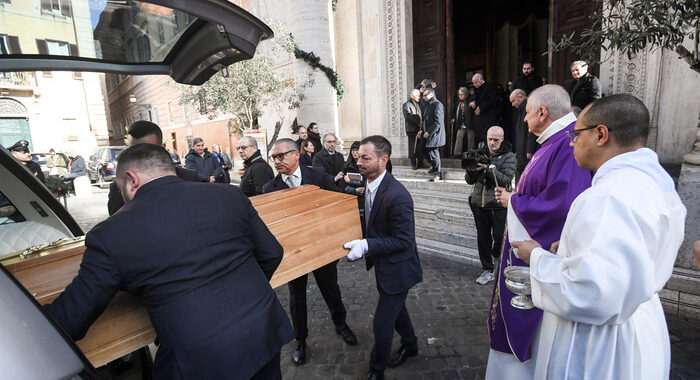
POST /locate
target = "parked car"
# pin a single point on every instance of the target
(40, 158)
(102, 166)
(122, 37)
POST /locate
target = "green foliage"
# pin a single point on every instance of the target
(314, 61)
(334, 5)
(630, 26)
(247, 88)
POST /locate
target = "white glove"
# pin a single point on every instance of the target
(357, 249)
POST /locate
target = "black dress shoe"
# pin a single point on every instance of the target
(432, 170)
(347, 334)
(375, 376)
(401, 355)
(299, 356)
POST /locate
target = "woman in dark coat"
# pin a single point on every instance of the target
(307, 153)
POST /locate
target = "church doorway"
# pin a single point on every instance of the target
(453, 39)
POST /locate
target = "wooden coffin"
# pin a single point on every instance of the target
(311, 225)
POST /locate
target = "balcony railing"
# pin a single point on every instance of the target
(17, 80)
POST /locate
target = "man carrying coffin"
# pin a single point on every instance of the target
(202, 270)
(602, 314)
(537, 209)
(286, 159)
(390, 245)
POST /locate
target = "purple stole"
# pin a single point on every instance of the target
(549, 184)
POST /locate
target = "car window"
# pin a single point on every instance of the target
(8, 212)
(115, 153)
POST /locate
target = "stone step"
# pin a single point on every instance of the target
(447, 186)
(457, 203)
(407, 172)
(450, 251)
(452, 217)
(463, 238)
(452, 224)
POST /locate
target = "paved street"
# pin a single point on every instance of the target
(448, 311)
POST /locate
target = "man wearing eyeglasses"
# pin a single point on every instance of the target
(20, 150)
(286, 159)
(602, 314)
(256, 172)
(331, 161)
(536, 210)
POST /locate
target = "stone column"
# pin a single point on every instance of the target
(348, 56)
(689, 191)
(311, 24)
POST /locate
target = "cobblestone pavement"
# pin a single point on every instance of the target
(448, 310)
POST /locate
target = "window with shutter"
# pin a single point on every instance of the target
(14, 45)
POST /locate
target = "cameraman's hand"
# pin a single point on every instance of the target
(502, 196)
(359, 190)
(480, 167)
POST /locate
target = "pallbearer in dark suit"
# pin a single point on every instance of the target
(286, 159)
(202, 270)
(390, 246)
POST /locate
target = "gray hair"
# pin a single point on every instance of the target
(519, 92)
(552, 97)
(249, 140)
(288, 144)
(578, 63)
(478, 76)
(463, 90)
(197, 140)
(415, 92)
(329, 134)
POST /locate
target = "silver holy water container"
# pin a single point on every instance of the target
(518, 281)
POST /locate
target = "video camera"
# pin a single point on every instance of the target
(474, 157)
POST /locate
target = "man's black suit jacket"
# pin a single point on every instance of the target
(115, 201)
(200, 258)
(309, 176)
(391, 238)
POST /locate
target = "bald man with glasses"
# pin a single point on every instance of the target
(285, 156)
(256, 172)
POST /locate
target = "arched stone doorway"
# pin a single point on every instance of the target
(14, 122)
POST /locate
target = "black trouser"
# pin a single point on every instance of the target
(327, 281)
(412, 147)
(270, 371)
(434, 155)
(420, 152)
(519, 171)
(390, 315)
(490, 226)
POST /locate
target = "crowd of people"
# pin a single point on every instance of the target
(598, 254)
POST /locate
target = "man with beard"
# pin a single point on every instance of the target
(203, 162)
(256, 171)
(529, 81)
(286, 158)
(329, 160)
(390, 246)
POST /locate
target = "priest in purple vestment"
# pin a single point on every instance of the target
(536, 210)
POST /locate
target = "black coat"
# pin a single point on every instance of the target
(206, 166)
(115, 201)
(199, 257)
(483, 192)
(256, 174)
(488, 100)
(331, 163)
(412, 116)
(391, 238)
(434, 123)
(525, 142)
(306, 160)
(316, 140)
(309, 176)
(527, 83)
(585, 91)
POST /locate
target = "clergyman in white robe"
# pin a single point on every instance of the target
(602, 314)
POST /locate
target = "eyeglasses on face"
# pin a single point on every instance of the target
(280, 156)
(573, 135)
(243, 147)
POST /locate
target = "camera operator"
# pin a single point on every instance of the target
(493, 169)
